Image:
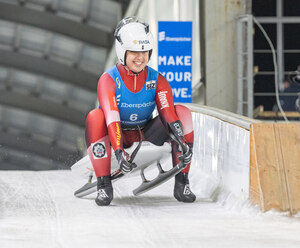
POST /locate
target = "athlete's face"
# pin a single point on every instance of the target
(136, 61)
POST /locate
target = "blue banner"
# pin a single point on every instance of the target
(175, 57)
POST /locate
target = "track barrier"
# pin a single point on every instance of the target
(256, 160)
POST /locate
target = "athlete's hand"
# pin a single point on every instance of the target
(123, 161)
(187, 154)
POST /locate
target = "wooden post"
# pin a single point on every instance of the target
(275, 166)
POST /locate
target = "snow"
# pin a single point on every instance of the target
(38, 209)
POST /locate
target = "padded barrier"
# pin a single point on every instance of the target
(221, 151)
(250, 159)
(275, 166)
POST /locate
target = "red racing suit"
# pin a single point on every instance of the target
(103, 125)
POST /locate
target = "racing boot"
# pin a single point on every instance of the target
(105, 191)
(182, 191)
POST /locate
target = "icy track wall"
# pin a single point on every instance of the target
(222, 151)
(247, 159)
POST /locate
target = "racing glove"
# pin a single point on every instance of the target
(178, 136)
(124, 161)
(187, 153)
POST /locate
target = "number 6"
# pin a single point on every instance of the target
(133, 117)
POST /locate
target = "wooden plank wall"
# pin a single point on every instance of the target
(275, 166)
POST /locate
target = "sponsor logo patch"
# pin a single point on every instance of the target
(141, 42)
(138, 105)
(118, 82)
(187, 190)
(178, 129)
(118, 132)
(162, 95)
(118, 99)
(150, 85)
(112, 101)
(99, 150)
(102, 193)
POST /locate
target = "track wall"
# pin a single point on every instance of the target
(250, 159)
(275, 166)
(222, 150)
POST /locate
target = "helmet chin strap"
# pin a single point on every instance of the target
(125, 57)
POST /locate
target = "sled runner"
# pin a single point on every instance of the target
(144, 154)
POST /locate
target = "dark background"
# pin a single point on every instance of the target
(264, 61)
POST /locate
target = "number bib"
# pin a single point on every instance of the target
(135, 108)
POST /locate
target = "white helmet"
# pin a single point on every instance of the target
(132, 34)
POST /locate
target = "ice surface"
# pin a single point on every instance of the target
(38, 210)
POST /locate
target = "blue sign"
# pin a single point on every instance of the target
(175, 57)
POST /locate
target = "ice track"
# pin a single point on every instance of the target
(38, 210)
